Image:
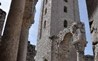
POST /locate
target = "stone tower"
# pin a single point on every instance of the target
(56, 15)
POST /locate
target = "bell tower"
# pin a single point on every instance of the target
(56, 15)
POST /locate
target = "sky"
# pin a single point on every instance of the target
(34, 28)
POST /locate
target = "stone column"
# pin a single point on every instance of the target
(10, 39)
(28, 19)
(23, 44)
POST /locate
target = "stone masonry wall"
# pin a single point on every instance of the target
(89, 58)
(30, 52)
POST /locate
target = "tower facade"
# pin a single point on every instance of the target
(56, 15)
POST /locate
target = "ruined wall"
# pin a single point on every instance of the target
(89, 58)
(28, 19)
(62, 47)
(30, 52)
(55, 13)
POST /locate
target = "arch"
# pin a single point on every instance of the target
(66, 0)
(66, 49)
(69, 35)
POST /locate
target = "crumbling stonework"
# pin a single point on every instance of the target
(56, 15)
(79, 39)
(30, 52)
(69, 44)
(62, 47)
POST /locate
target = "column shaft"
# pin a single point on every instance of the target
(28, 19)
(22, 52)
(10, 39)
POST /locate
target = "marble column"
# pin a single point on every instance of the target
(28, 19)
(10, 39)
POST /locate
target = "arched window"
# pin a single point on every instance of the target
(65, 9)
(65, 24)
(44, 24)
(66, 0)
(45, 60)
(45, 10)
(46, 1)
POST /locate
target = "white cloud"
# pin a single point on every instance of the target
(5, 5)
(34, 28)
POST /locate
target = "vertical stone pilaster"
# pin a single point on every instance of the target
(10, 39)
(23, 45)
(28, 19)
